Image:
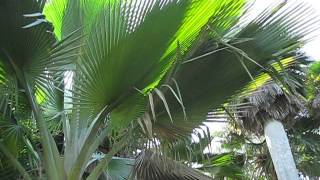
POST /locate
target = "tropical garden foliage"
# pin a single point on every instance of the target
(114, 89)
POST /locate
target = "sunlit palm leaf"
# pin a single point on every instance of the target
(111, 65)
(210, 80)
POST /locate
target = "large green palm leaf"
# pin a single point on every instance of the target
(205, 82)
(109, 69)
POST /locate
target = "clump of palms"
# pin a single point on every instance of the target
(141, 75)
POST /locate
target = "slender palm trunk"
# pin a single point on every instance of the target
(280, 151)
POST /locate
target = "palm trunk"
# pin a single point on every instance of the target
(280, 151)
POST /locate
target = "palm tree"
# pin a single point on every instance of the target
(140, 73)
(258, 162)
(258, 108)
(269, 108)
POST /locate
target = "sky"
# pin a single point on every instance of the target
(312, 49)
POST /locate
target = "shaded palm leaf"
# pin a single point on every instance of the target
(118, 168)
(224, 165)
(151, 165)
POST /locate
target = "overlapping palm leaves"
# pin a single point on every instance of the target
(119, 51)
(24, 52)
(269, 38)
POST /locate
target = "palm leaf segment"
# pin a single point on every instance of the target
(239, 55)
(110, 64)
(29, 51)
(27, 44)
(152, 165)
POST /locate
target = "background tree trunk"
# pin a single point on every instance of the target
(280, 151)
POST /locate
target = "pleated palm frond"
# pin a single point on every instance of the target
(13, 135)
(233, 59)
(13, 101)
(31, 58)
(118, 168)
(188, 150)
(224, 165)
(150, 165)
(113, 75)
(28, 47)
(109, 66)
(174, 91)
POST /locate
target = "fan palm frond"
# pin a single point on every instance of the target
(204, 81)
(152, 165)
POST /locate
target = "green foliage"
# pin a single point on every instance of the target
(163, 64)
(313, 81)
(249, 48)
(303, 138)
(120, 168)
(224, 165)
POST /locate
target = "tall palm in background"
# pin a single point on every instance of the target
(141, 76)
(251, 119)
(264, 111)
(262, 107)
